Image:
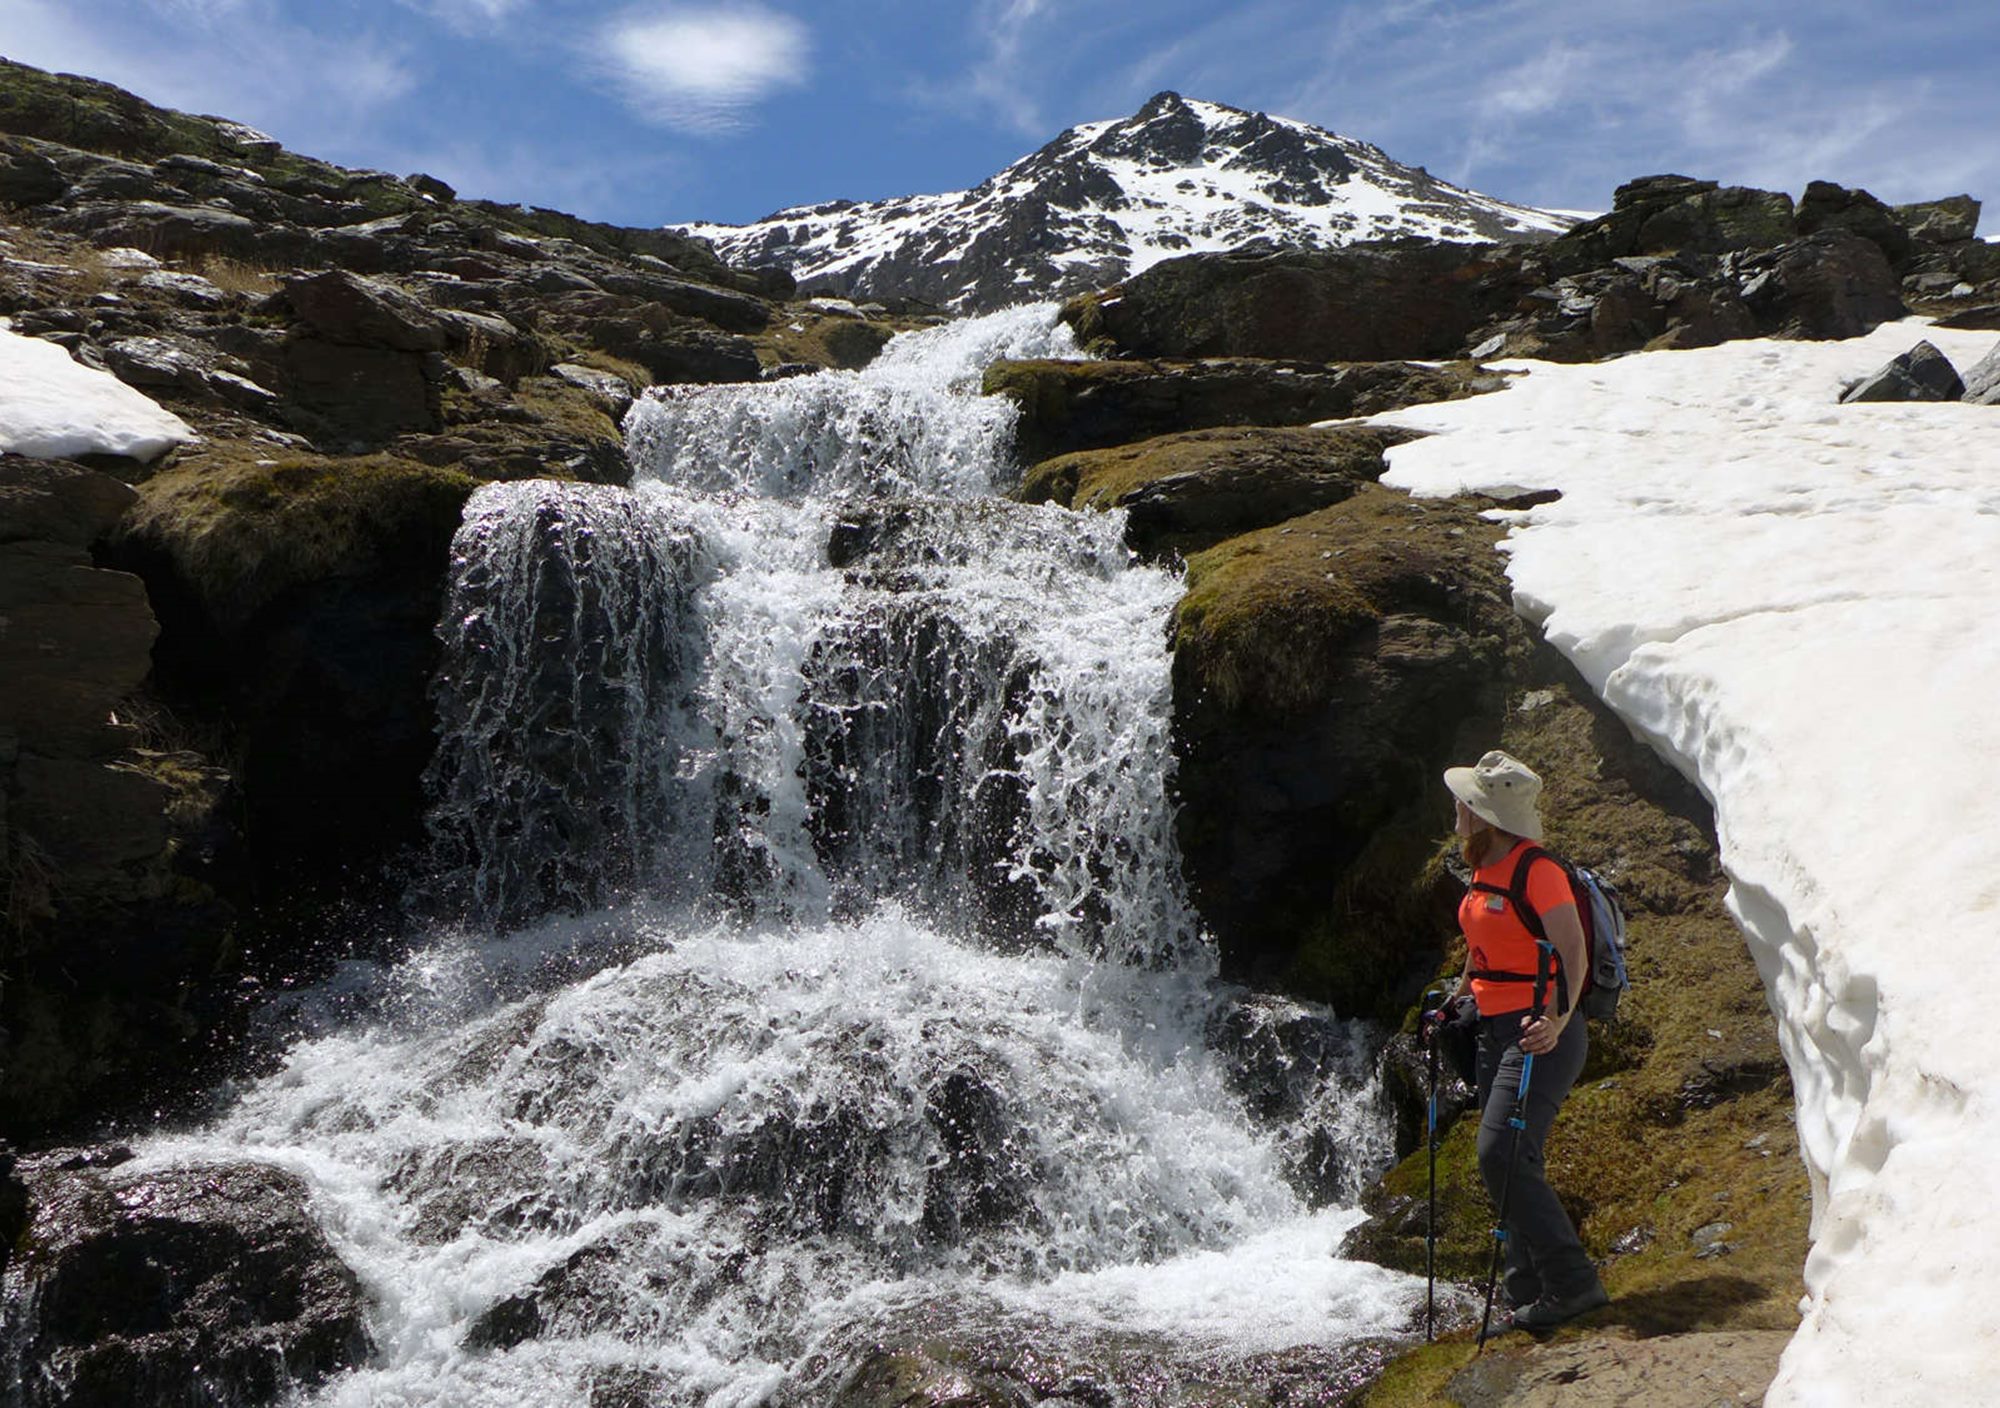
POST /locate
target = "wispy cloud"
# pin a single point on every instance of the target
(701, 69)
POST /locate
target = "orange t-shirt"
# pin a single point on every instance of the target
(1497, 938)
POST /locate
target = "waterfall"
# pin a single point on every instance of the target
(822, 969)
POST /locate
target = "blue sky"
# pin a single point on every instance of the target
(661, 110)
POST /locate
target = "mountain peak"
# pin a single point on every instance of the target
(1105, 199)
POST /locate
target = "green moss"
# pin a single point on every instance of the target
(243, 527)
(1267, 613)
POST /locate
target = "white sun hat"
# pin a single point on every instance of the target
(1500, 789)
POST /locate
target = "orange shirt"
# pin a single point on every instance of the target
(1497, 938)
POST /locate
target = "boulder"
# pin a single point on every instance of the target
(360, 312)
(357, 397)
(1831, 284)
(1322, 670)
(1946, 221)
(1363, 302)
(1067, 406)
(181, 1285)
(1981, 317)
(1183, 493)
(1921, 374)
(674, 351)
(1827, 206)
(1982, 383)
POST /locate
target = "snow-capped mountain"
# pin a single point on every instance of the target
(1107, 199)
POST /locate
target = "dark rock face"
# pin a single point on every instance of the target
(196, 1285)
(298, 599)
(1069, 406)
(1921, 374)
(1826, 206)
(1367, 302)
(110, 851)
(1676, 263)
(1832, 284)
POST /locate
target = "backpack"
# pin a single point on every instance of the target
(1605, 978)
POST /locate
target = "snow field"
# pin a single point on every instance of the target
(1798, 603)
(52, 407)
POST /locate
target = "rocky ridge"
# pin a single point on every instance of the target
(1107, 200)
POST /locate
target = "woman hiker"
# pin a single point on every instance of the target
(1549, 1277)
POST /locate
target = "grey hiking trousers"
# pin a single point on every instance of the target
(1544, 1255)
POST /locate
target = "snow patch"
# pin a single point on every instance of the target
(52, 407)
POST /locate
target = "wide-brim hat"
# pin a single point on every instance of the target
(1500, 789)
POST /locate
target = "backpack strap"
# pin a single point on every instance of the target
(1516, 893)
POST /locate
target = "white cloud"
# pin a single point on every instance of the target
(698, 69)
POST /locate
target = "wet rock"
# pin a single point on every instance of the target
(186, 1285)
(1982, 383)
(1070, 406)
(1921, 374)
(1187, 492)
(298, 595)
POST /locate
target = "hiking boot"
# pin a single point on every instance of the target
(1551, 1311)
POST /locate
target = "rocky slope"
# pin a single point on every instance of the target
(1107, 200)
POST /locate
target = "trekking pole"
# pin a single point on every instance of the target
(1433, 1004)
(1519, 1122)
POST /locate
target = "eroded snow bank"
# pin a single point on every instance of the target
(52, 407)
(1799, 603)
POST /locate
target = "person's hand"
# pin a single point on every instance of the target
(1540, 1034)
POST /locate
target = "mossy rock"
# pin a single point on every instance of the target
(242, 529)
(1185, 493)
(1324, 670)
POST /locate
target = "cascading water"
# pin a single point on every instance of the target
(847, 982)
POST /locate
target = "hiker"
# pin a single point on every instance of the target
(1523, 1008)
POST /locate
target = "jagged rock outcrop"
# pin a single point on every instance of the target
(1675, 263)
(1076, 405)
(183, 1285)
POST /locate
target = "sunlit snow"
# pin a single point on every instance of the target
(52, 407)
